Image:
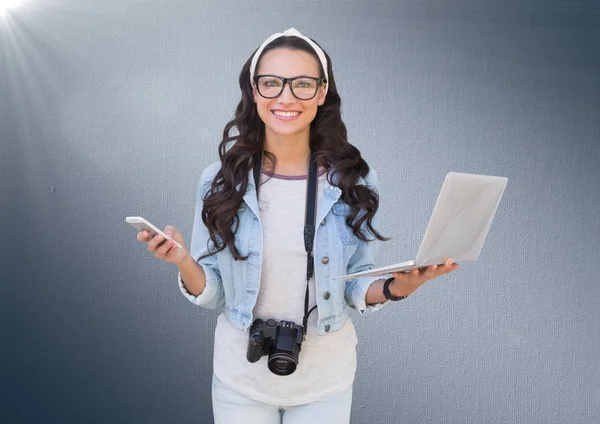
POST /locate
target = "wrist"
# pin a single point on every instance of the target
(387, 293)
(184, 261)
(397, 289)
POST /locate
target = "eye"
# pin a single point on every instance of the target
(304, 83)
(270, 82)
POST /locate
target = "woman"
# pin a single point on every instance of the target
(252, 250)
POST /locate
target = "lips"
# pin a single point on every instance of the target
(286, 114)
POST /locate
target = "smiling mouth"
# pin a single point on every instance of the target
(286, 116)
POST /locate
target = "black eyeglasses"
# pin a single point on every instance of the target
(303, 88)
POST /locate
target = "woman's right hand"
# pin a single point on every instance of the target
(165, 250)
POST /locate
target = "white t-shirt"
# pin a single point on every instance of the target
(326, 364)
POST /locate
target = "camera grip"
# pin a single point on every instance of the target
(255, 348)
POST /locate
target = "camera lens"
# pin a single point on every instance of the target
(282, 363)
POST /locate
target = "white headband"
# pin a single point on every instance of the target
(296, 33)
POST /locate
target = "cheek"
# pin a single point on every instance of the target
(311, 111)
(262, 105)
(263, 109)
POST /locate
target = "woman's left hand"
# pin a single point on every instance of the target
(406, 283)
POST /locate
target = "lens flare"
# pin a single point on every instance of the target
(7, 4)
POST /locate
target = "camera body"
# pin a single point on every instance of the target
(281, 340)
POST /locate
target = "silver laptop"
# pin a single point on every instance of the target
(458, 225)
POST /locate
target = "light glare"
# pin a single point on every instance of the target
(7, 4)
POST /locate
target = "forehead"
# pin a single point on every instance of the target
(288, 63)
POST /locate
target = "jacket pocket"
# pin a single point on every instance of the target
(341, 210)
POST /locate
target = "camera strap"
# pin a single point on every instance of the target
(309, 223)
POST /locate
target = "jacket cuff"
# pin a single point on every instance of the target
(213, 289)
(359, 295)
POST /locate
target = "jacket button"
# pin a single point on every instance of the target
(327, 328)
(326, 295)
(325, 260)
(323, 222)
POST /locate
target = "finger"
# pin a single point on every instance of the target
(450, 265)
(155, 243)
(406, 276)
(430, 272)
(174, 234)
(142, 236)
(416, 276)
(446, 269)
(402, 277)
(162, 251)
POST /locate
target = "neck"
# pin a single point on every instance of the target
(292, 152)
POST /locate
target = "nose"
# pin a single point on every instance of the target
(286, 95)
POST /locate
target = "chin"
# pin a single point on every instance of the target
(285, 133)
(277, 129)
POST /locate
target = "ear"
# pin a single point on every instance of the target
(321, 96)
(254, 93)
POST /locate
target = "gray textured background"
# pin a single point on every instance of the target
(113, 108)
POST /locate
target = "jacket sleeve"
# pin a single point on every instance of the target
(213, 295)
(363, 260)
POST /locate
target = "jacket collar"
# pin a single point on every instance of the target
(327, 197)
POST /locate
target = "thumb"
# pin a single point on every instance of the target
(172, 232)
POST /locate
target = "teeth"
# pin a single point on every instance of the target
(286, 114)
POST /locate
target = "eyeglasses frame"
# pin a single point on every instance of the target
(320, 81)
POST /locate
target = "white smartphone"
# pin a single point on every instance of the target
(142, 224)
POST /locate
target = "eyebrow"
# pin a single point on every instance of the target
(297, 76)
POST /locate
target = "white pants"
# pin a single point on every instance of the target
(231, 407)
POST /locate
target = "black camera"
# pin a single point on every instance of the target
(280, 340)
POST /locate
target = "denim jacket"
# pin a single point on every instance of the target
(337, 251)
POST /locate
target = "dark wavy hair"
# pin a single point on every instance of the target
(328, 140)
